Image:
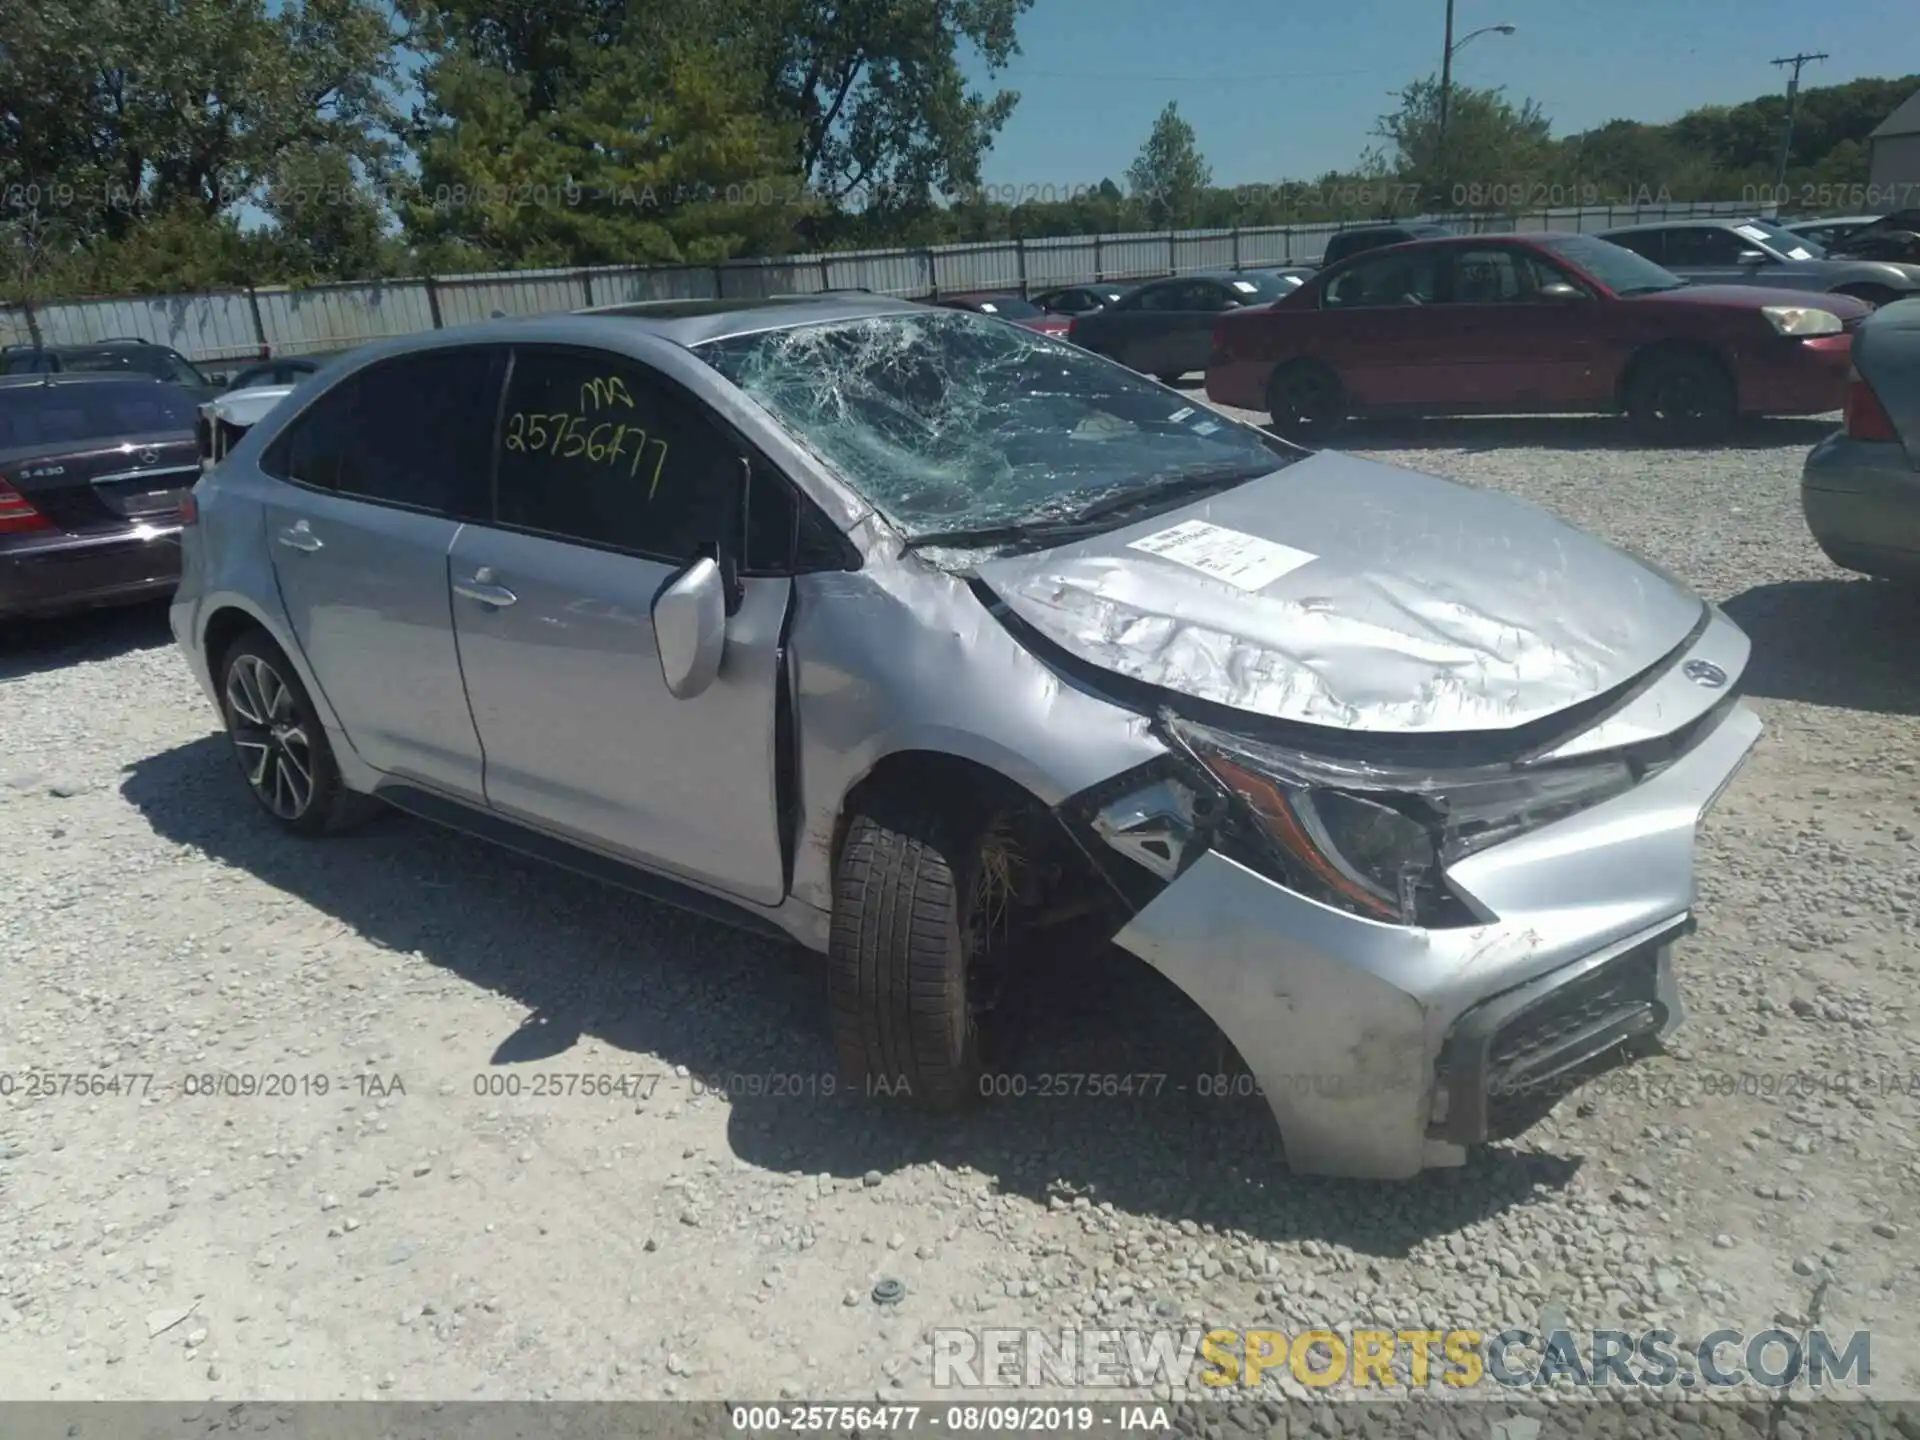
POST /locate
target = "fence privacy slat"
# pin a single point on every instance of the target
(234, 325)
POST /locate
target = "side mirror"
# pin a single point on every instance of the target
(690, 628)
(1751, 257)
(1561, 290)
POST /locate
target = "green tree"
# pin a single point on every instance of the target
(1489, 149)
(128, 108)
(1169, 177)
(328, 223)
(646, 152)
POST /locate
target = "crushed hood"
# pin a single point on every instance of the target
(1344, 593)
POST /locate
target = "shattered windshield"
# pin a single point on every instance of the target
(947, 422)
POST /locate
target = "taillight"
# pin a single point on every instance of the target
(189, 509)
(17, 514)
(1867, 418)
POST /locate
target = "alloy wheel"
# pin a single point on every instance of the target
(270, 736)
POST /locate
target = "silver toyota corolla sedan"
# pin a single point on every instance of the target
(912, 635)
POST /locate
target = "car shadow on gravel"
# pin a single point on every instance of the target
(32, 647)
(1844, 643)
(1562, 432)
(1178, 1138)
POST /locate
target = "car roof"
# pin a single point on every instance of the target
(1698, 222)
(682, 323)
(51, 378)
(690, 322)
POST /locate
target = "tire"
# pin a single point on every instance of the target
(1306, 402)
(280, 744)
(900, 955)
(1680, 398)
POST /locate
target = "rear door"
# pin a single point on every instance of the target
(1180, 335)
(380, 471)
(1383, 330)
(611, 480)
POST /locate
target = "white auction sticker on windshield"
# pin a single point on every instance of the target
(1240, 559)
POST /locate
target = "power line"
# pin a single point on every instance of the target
(1793, 91)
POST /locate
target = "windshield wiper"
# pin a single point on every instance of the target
(986, 536)
(1171, 487)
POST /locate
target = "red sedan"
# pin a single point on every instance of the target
(1011, 307)
(1531, 324)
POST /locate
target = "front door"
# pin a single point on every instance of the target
(1511, 346)
(378, 473)
(610, 482)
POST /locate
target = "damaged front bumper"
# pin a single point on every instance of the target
(1385, 1049)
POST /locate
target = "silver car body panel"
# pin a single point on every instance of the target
(1861, 497)
(1421, 607)
(1397, 602)
(1342, 1019)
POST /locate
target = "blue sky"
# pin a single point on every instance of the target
(1292, 92)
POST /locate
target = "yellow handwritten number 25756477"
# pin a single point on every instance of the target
(568, 436)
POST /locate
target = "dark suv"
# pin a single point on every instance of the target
(1343, 243)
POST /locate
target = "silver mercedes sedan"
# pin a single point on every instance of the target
(913, 635)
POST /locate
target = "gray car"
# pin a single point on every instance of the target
(1759, 252)
(1860, 489)
(922, 639)
(1165, 327)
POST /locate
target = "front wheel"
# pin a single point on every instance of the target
(1306, 402)
(915, 957)
(280, 743)
(1681, 399)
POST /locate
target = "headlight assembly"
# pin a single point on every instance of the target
(1373, 840)
(1802, 320)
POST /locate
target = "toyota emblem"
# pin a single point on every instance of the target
(148, 455)
(1705, 672)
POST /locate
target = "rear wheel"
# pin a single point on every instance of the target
(280, 743)
(1681, 398)
(1306, 401)
(923, 904)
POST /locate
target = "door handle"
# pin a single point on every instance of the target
(298, 537)
(482, 589)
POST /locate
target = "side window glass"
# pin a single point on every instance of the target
(1485, 277)
(767, 524)
(1649, 245)
(1160, 297)
(1386, 281)
(592, 447)
(412, 432)
(314, 450)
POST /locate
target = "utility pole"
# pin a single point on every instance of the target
(1446, 95)
(1786, 139)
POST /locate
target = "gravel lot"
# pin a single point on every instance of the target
(404, 1235)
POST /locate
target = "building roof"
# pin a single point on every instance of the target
(1905, 120)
